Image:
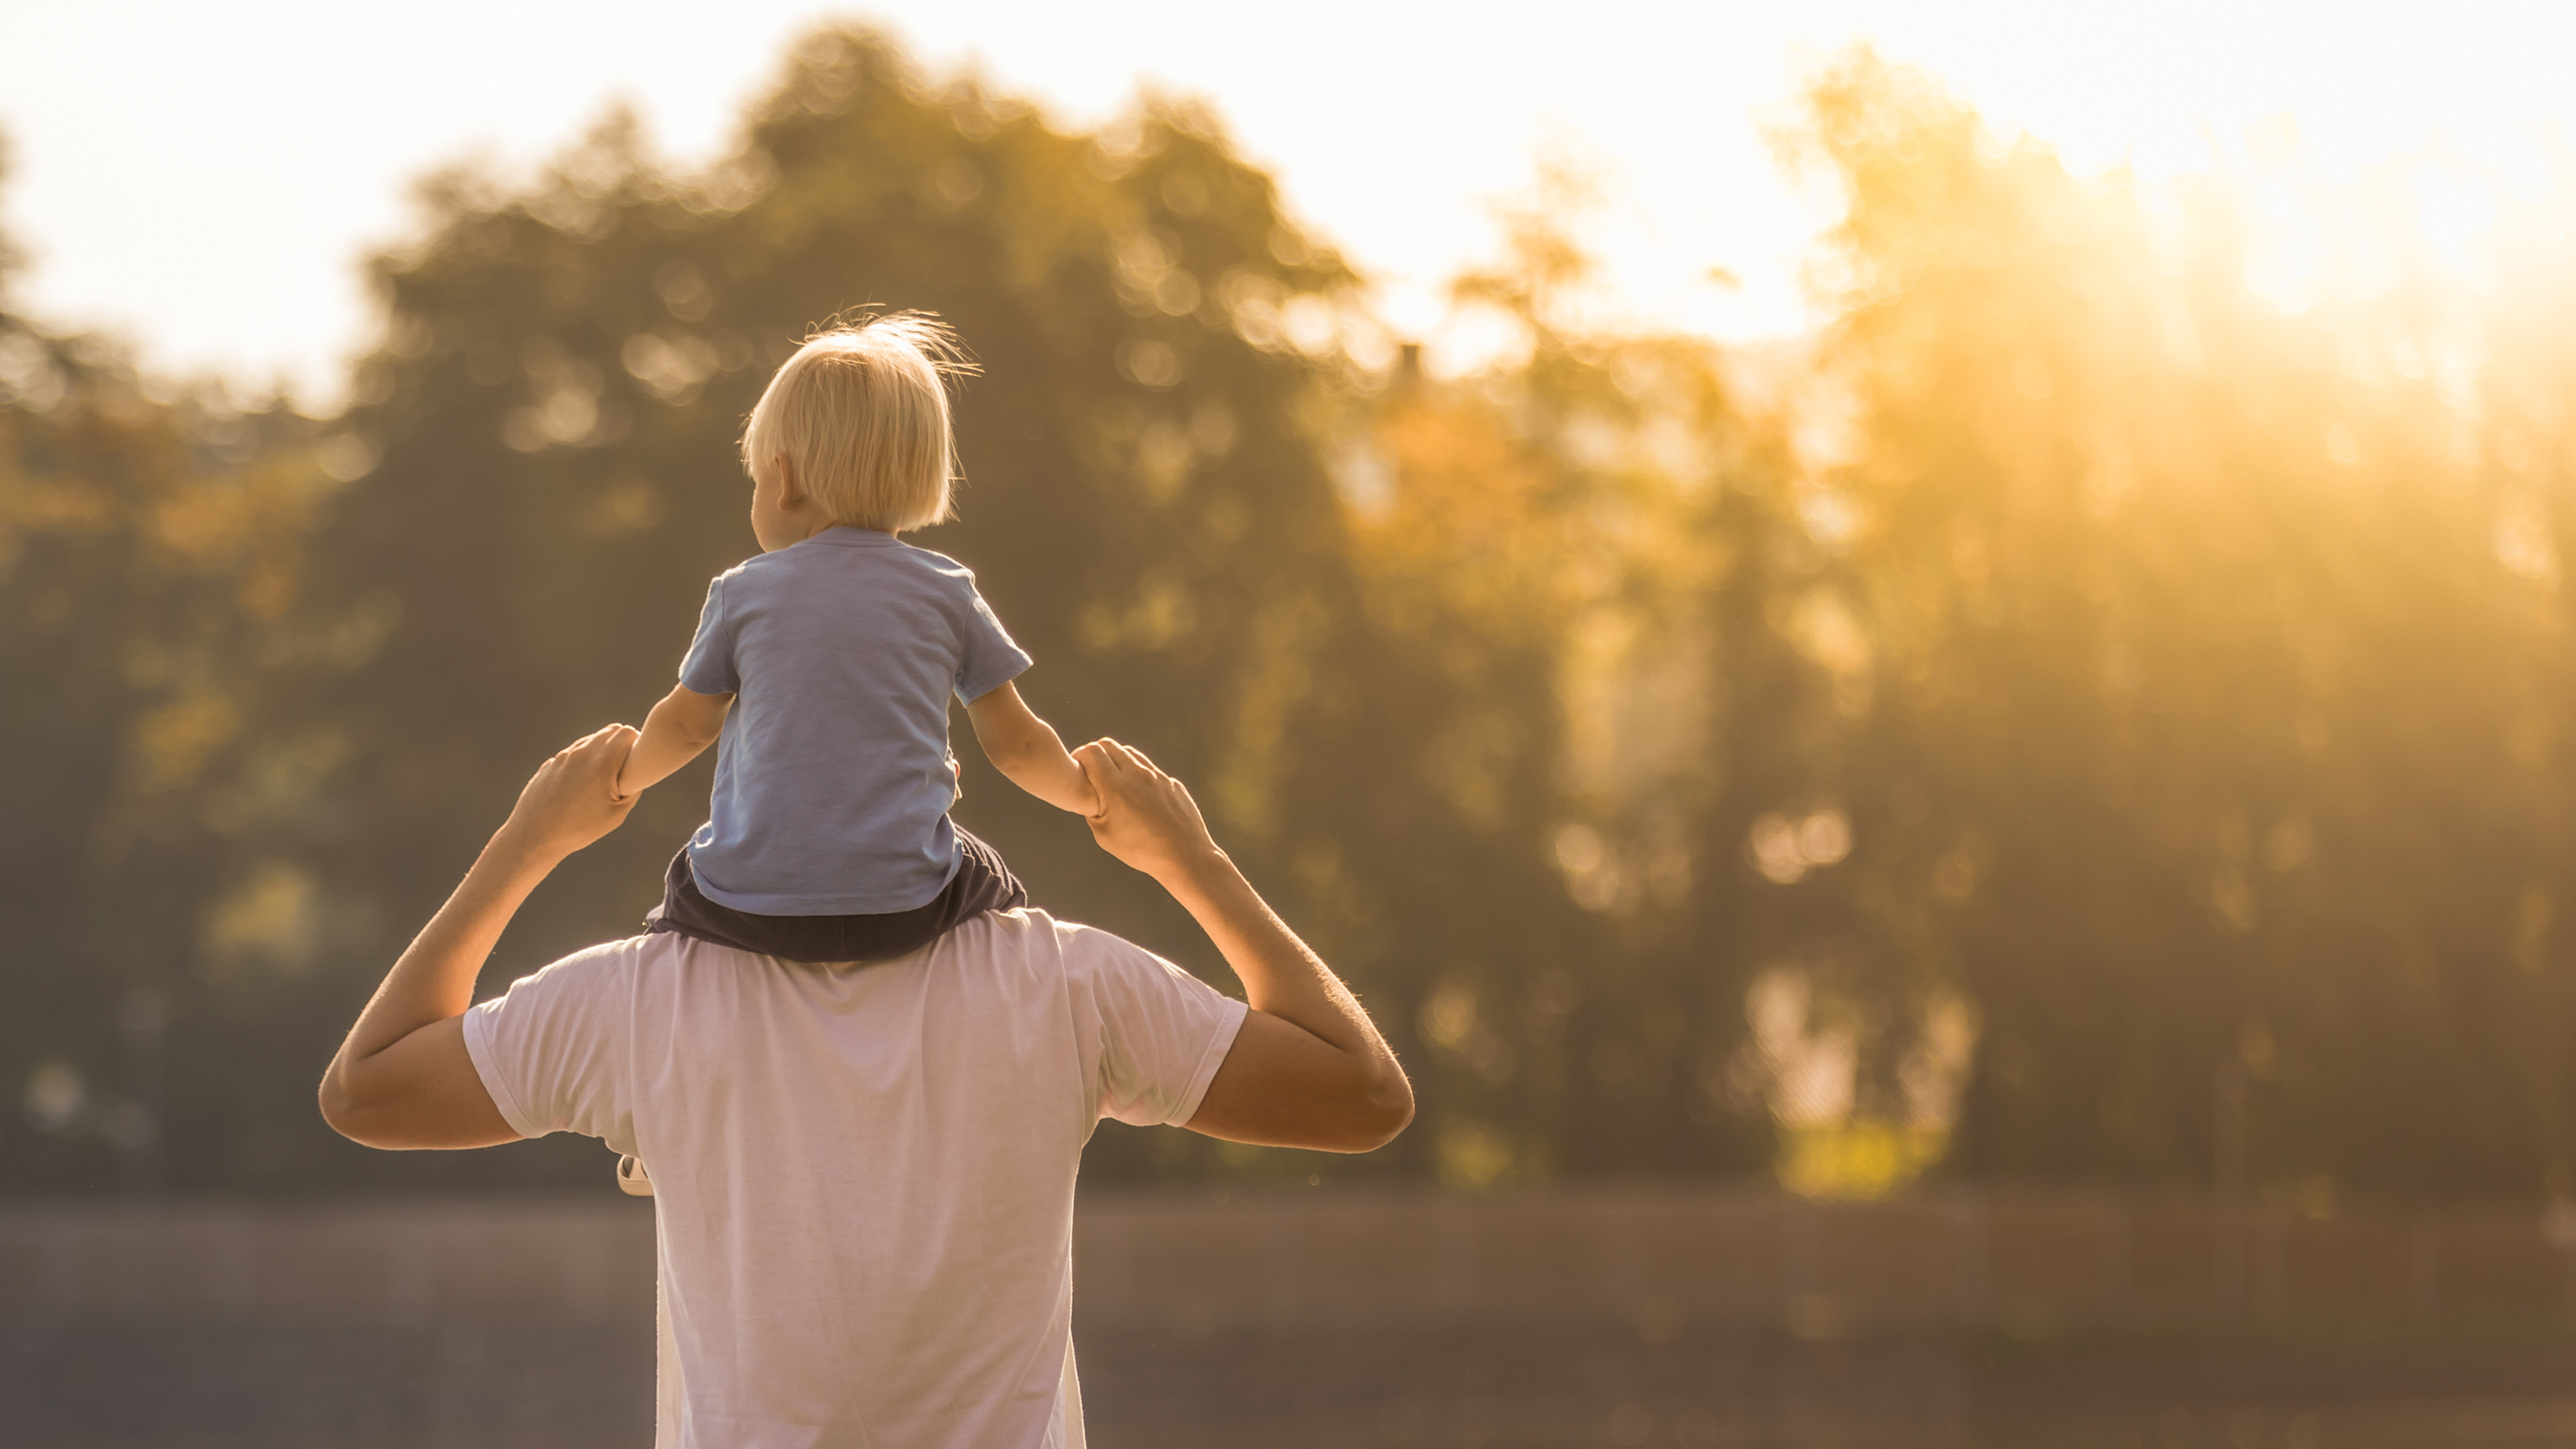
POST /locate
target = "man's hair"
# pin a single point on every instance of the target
(862, 411)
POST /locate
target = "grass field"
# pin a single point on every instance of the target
(107, 1385)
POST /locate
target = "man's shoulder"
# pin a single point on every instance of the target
(1023, 935)
(1035, 946)
(592, 967)
(1029, 937)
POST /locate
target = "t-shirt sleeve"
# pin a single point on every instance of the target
(990, 660)
(709, 669)
(551, 1049)
(1163, 1032)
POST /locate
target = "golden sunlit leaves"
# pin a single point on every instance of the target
(2068, 674)
(174, 741)
(2187, 595)
(1465, 518)
(151, 566)
(1258, 751)
(56, 505)
(269, 919)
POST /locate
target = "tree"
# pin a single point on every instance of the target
(556, 403)
(151, 556)
(2193, 659)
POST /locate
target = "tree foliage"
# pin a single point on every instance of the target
(2074, 716)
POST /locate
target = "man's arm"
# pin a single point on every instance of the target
(403, 1078)
(681, 726)
(1308, 1069)
(1028, 751)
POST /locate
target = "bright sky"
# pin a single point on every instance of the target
(205, 178)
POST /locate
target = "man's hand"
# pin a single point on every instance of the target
(1147, 818)
(572, 800)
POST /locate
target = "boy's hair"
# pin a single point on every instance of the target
(862, 411)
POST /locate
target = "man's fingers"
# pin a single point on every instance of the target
(1128, 769)
(601, 752)
(1124, 756)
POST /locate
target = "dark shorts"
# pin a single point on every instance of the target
(982, 883)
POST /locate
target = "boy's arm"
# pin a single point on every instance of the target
(681, 726)
(1308, 1068)
(1026, 749)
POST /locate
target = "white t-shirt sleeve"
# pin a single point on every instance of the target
(1163, 1032)
(551, 1050)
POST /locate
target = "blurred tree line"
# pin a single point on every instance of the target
(2071, 717)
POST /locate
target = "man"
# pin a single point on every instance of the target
(864, 1174)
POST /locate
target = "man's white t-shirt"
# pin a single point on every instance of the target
(863, 1175)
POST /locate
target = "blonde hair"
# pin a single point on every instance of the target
(862, 411)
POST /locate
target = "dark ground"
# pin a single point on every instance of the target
(229, 1386)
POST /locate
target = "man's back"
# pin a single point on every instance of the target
(867, 1193)
(863, 1175)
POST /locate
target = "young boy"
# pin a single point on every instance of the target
(822, 669)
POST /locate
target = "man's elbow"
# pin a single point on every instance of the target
(1377, 1117)
(347, 1112)
(1394, 1113)
(339, 1110)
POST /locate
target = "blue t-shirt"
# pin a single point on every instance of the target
(832, 773)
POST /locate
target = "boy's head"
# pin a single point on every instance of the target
(861, 412)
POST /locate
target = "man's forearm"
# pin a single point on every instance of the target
(1307, 1068)
(404, 1078)
(434, 979)
(1280, 974)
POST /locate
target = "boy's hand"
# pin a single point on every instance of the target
(572, 800)
(1146, 818)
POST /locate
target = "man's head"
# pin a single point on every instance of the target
(858, 420)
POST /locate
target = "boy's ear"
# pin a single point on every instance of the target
(789, 494)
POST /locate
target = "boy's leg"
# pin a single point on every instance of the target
(994, 888)
(982, 883)
(686, 910)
